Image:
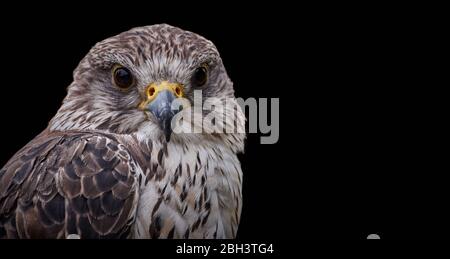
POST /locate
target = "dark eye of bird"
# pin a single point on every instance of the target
(122, 77)
(200, 76)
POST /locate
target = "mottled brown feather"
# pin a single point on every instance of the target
(43, 194)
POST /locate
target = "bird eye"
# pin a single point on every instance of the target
(200, 76)
(122, 77)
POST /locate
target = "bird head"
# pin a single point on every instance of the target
(138, 81)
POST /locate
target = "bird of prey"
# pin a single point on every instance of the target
(110, 165)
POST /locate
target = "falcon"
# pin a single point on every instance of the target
(110, 164)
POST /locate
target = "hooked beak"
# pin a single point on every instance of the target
(159, 102)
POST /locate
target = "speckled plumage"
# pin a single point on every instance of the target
(103, 169)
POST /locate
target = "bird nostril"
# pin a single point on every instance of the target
(178, 91)
(151, 91)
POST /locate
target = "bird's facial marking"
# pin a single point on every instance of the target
(122, 77)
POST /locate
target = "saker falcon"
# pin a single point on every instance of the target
(109, 164)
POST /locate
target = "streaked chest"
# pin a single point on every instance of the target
(189, 192)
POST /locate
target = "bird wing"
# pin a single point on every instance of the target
(63, 184)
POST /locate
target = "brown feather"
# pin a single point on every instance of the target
(84, 188)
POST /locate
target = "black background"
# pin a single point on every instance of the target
(354, 155)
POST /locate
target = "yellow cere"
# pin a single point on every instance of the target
(154, 88)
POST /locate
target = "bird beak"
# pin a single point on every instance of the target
(159, 98)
